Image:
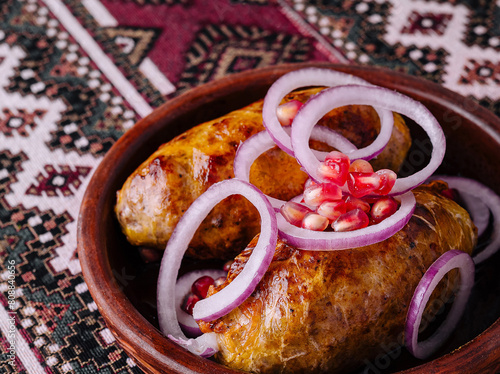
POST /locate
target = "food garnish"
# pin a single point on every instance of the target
(344, 205)
(482, 204)
(189, 289)
(316, 77)
(236, 292)
(450, 260)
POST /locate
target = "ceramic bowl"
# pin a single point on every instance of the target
(123, 286)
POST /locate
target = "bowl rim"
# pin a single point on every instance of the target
(126, 323)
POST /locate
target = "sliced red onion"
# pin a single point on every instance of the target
(478, 210)
(332, 138)
(329, 240)
(488, 197)
(235, 293)
(182, 289)
(204, 345)
(253, 147)
(450, 260)
(316, 77)
(379, 97)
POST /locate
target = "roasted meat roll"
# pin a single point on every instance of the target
(156, 195)
(330, 311)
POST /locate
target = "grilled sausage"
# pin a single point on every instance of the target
(155, 196)
(331, 311)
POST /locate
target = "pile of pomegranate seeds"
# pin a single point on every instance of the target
(199, 291)
(324, 204)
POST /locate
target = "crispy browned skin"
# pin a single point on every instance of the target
(156, 195)
(330, 311)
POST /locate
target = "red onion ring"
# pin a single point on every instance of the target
(329, 241)
(316, 77)
(486, 196)
(257, 144)
(448, 261)
(204, 345)
(476, 207)
(478, 210)
(380, 97)
(239, 289)
(183, 288)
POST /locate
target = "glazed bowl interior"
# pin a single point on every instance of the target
(124, 287)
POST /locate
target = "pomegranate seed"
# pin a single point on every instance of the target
(361, 184)
(352, 202)
(360, 166)
(450, 193)
(189, 304)
(316, 194)
(294, 212)
(335, 168)
(315, 222)
(309, 183)
(387, 181)
(287, 112)
(201, 285)
(352, 220)
(331, 209)
(372, 199)
(383, 208)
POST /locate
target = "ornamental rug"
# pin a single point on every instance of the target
(75, 75)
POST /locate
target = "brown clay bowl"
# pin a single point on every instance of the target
(123, 287)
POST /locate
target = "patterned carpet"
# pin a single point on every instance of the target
(75, 75)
